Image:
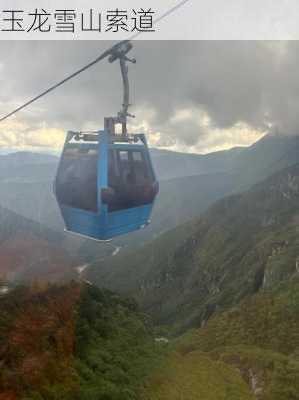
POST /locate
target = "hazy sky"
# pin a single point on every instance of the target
(189, 96)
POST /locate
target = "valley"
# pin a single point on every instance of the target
(215, 276)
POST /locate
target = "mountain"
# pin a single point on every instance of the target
(27, 166)
(227, 281)
(181, 199)
(28, 191)
(189, 184)
(243, 243)
(252, 164)
(170, 164)
(73, 342)
(247, 353)
(270, 154)
(76, 341)
(31, 175)
(29, 251)
(21, 158)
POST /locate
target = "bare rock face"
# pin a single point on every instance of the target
(256, 383)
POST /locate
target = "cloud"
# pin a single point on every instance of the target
(190, 96)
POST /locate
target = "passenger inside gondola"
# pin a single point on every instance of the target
(76, 184)
(130, 180)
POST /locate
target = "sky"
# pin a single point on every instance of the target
(190, 96)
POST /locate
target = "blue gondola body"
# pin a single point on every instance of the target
(102, 224)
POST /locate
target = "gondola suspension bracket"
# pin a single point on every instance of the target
(120, 52)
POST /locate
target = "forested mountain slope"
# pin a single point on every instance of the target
(30, 251)
(79, 342)
(73, 342)
(243, 243)
(248, 352)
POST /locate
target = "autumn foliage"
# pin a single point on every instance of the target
(72, 342)
(37, 337)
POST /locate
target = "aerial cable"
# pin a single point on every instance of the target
(50, 89)
(105, 54)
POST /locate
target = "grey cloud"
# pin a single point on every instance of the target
(252, 82)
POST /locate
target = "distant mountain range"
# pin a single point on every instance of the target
(189, 184)
(271, 153)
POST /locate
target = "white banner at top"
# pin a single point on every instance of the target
(149, 19)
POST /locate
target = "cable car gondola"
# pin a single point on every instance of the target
(105, 184)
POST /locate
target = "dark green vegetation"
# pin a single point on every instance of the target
(195, 376)
(79, 342)
(248, 352)
(224, 287)
(115, 348)
(242, 244)
(73, 342)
